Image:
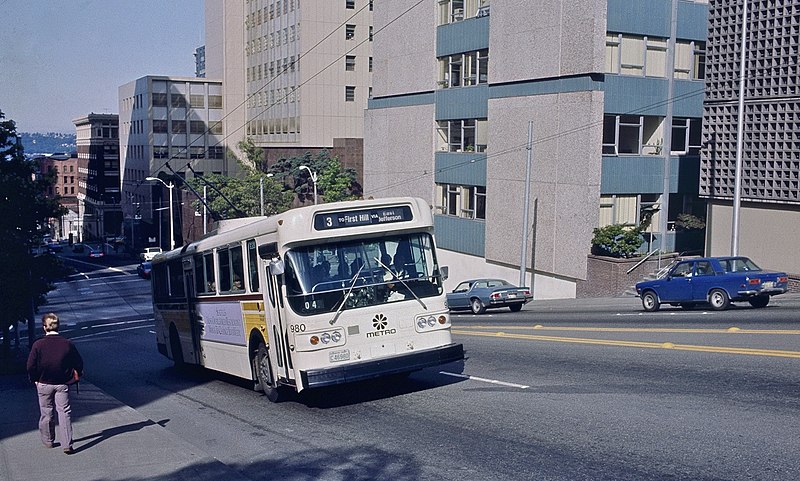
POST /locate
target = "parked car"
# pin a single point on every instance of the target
(78, 248)
(55, 247)
(478, 295)
(144, 269)
(716, 281)
(96, 252)
(149, 253)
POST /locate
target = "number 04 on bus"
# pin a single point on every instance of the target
(312, 297)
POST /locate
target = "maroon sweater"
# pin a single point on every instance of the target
(52, 359)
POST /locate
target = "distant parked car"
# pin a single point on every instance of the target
(96, 252)
(149, 253)
(55, 247)
(478, 295)
(144, 269)
(78, 248)
(716, 281)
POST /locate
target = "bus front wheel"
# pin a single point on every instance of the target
(264, 376)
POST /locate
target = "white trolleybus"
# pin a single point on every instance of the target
(313, 297)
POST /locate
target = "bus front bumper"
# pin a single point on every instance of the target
(360, 371)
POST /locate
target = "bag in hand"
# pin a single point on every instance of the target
(75, 377)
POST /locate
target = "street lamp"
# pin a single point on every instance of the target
(313, 179)
(169, 186)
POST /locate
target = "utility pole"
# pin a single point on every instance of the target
(525, 208)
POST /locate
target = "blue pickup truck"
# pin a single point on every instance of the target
(716, 281)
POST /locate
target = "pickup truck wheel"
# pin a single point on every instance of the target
(477, 306)
(759, 301)
(650, 301)
(718, 299)
(515, 307)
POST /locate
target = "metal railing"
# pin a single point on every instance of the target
(642, 261)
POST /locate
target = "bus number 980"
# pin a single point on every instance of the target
(297, 328)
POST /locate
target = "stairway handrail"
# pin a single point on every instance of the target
(642, 261)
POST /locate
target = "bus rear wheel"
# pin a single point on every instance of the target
(263, 370)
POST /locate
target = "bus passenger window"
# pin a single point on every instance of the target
(252, 265)
(209, 263)
(224, 268)
(199, 275)
(237, 268)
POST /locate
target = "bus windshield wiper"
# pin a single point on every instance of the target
(402, 282)
(346, 295)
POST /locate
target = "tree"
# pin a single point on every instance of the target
(617, 240)
(234, 197)
(334, 183)
(24, 211)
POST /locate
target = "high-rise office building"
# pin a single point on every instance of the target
(296, 75)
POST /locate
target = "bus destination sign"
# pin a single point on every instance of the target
(353, 218)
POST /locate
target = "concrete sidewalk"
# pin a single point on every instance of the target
(111, 440)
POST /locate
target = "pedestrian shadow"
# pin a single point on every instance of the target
(95, 439)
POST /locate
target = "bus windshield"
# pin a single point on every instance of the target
(368, 272)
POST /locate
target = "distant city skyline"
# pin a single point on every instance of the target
(63, 60)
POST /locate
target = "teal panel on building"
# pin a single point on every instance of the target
(632, 174)
(652, 18)
(462, 103)
(459, 37)
(648, 96)
(460, 168)
(578, 83)
(460, 235)
(409, 100)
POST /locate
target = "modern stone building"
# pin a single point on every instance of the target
(606, 85)
(167, 125)
(296, 75)
(769, 226)
(99, 210)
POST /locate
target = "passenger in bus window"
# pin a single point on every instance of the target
(237, 284)
(394, 293)
(211, 287)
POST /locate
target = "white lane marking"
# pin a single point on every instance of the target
(676, 313)
(121, 323)
(115, 282)
(105, 333)
(491, 381)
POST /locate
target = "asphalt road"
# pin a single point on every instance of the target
(563, 390)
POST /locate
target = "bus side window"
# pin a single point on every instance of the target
(237, 268)
(210, 283)
(199, 275)
(252, 265)
(224, 269)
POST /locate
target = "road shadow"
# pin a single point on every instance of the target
(105, 434)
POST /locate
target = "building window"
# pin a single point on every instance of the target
(350, 4)
(197, 127)
(349, 93)
(467, 135)
(215, 128)
(686, 136)
(178, 101)
(215, 101)
(216, 152)
(466, 69)
(178, 126)
(159, 126)
(160, 152)
(350, 62)
(690, 60)
(197, 152)
(370, 64)
(465, 201)
(632, 135)
(349, 32)
(457, 10)
(159, 99)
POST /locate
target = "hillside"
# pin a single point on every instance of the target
(47, 143)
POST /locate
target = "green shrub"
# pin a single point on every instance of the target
(617, 240)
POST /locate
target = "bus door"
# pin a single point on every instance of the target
(279, 355)
(195, 326)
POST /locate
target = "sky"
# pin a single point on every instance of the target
(60, 60)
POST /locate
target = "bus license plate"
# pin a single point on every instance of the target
(337, 356)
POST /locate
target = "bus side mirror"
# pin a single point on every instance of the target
(276, 267)
(445, 272)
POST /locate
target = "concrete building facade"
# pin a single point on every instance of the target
(170, 126)
(296, 75)
(451, 108)
(769, 216)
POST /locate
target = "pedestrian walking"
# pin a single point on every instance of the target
(53, 364)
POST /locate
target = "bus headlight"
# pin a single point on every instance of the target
(319, 340)
(421, 322)
(325, 338)
(432, 322)
(336, 336)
